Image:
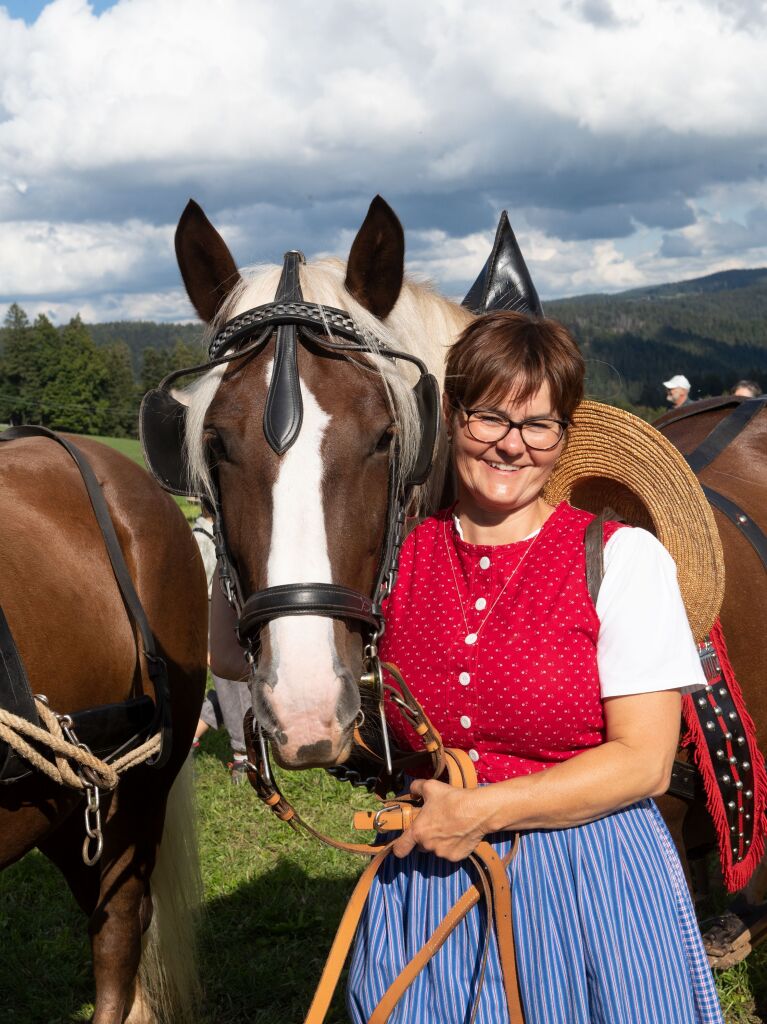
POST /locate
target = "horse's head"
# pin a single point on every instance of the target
(296, 439)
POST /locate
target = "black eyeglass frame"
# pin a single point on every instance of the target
(511, 424)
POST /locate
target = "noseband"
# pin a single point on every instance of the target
(163, 428)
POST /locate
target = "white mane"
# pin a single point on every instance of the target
(422, 323)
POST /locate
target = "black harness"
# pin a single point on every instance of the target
(162, 427)
(712, 446)
(113, 729)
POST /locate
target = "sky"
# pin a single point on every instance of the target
(626, 140)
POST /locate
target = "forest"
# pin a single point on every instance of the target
(89, 378)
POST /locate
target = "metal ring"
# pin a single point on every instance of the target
(359, 721)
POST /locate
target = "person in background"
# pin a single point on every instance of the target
(746, 389)
(227, 703)
(677, 390)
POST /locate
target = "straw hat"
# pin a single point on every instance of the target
(615, 459)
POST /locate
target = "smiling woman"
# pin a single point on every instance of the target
(517, 663)
(511, 388)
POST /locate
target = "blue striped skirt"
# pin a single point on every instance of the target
(605, 932)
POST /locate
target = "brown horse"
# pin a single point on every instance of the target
(315, 513)
(80, 649)
(738, 473)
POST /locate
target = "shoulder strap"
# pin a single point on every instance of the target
(595, 551)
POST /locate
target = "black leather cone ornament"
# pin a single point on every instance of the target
(284, 408)
(505, 281)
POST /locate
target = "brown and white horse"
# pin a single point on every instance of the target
(80, 649)
(316, 513)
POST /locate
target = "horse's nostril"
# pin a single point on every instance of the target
(315, 752)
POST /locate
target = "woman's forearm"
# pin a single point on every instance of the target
(579, 790)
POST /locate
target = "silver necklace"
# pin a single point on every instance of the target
(471, 638)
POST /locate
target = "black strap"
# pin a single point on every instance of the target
(593, 541)
(284, 409)
(15, 693)
(744, 523)
(304, 599)
(155, 664)
(723, 434)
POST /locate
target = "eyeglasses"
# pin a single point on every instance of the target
(539, 433)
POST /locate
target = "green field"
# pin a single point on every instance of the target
(272, 901)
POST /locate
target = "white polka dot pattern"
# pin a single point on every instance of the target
(534, 698)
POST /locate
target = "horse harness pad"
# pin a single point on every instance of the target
(113, 729)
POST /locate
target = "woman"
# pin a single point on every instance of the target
(569, 711)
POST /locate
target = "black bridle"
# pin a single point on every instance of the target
(163, 425)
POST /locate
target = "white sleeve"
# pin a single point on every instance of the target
(645, 642)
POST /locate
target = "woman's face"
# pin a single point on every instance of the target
(506, 475)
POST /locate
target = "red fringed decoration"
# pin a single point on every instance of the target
(722, 735)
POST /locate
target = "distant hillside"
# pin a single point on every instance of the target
(141, 334)
(713, 329)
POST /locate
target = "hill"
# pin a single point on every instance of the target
(141, 334)
(713, 329)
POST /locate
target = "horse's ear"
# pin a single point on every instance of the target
(206, 265)
(377, 260)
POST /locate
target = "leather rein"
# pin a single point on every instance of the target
(492, 883)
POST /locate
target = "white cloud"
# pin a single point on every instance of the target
(590, 112)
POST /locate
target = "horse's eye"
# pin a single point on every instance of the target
(385, 440)
(213, 444)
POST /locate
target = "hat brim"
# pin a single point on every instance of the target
(614, 459)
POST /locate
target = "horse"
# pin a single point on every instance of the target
(738, 474)
(314, 511)
(80, 649)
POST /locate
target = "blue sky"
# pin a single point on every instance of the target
(627, 141)
(29, 9)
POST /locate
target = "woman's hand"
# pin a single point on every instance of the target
(450, 824)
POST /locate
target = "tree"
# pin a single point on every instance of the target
(29, 362)
(74, 395)
(120, 392)
(15, 333)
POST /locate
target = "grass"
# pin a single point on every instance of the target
(273, 899)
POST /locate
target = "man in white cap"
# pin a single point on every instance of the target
(677, 390)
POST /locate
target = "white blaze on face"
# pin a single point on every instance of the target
(303, 651)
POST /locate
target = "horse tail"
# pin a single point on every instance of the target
(168, 976)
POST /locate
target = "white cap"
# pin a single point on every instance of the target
(678, 381)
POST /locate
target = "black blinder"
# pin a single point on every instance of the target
(427, 398)
(162, 429)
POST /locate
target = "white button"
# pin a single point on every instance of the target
(464, 678)
(484, 562)
(466, 721)
(480, 604)
(473, 754)
(470, 639)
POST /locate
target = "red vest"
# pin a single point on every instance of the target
(525, 694)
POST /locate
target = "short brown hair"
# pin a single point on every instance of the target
(503, 353)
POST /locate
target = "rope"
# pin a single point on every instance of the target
(13, 729)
